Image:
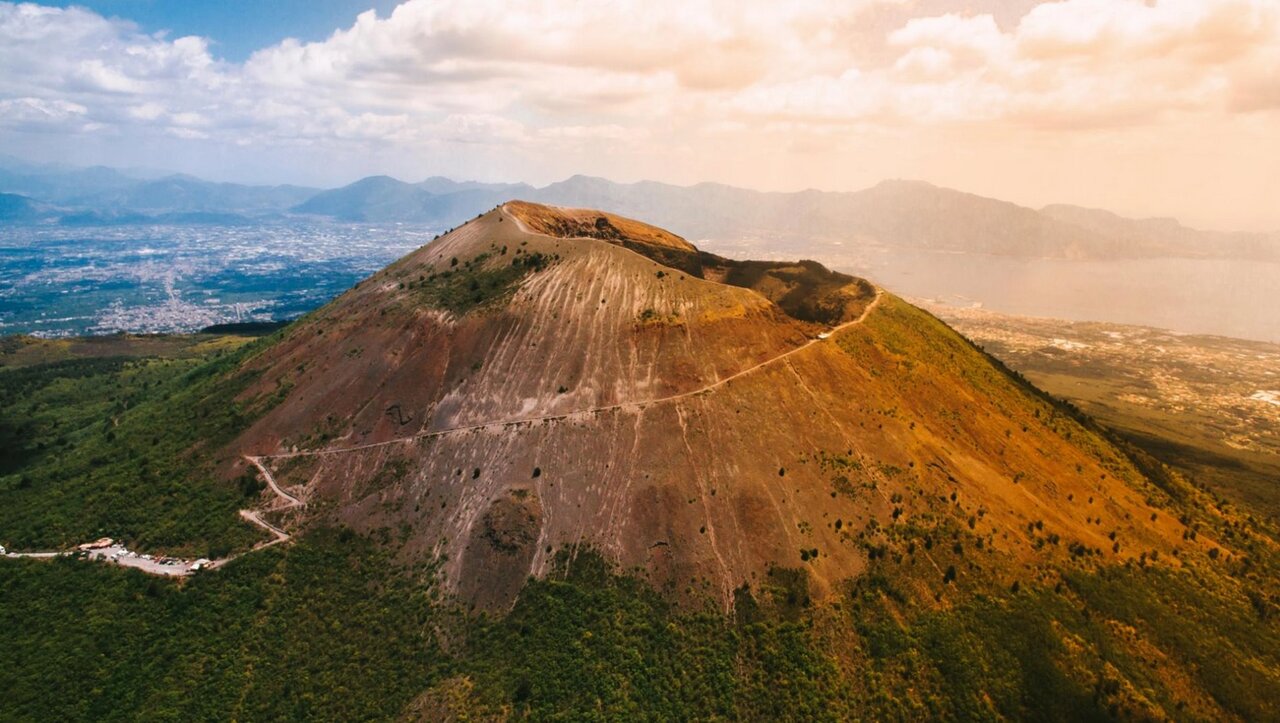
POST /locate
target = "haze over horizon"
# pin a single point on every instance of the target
(796, 360)
(1165, 109)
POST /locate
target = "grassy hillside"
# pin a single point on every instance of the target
(331, 629)
(107, 442)
(723, 515)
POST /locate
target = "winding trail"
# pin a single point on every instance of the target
(255, 516)
(875, 301)
(577, 413)
(117, 554)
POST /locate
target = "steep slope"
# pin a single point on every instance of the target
(334, 625)
(504, 393)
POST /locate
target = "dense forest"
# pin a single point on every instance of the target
(330, 628)
(333, 627)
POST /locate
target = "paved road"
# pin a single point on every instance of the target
(122, 556)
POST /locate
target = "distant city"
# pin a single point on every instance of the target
(62, 281)
(101, 250)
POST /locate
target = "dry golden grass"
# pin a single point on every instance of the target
(570, 222)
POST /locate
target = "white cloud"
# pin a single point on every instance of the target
(561, 64)
(186, 133)
(146, 111)
(40, 114)
(977, 35)
(563, 79)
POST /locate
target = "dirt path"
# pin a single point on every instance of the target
(579, 412)
(254, 517)
(290, 500)
(567, 415)
(117, 554)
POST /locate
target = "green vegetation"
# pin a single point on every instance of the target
(479, 281)
(330, 629)
(325, 630)
(125, 448)
(652, 317)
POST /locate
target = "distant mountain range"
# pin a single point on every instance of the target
(436, 200)
(893, 214)
(100, 195)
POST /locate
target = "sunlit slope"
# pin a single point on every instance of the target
(543, 391)
(490, 322)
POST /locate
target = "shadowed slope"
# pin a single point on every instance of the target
(805, 290)
(689, 428)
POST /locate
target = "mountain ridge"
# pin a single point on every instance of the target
(500, 394)
(594, 469)
(895, 213)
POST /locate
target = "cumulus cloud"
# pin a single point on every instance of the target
(41, 115)
(569, 64)
(551, 75)
(1074, 63)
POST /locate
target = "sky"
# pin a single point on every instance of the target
(235, 28)
(1144, 107)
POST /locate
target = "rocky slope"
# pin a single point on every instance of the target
(541, 379)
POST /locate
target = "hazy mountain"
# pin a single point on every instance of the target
(98, 191)
(897, 214)
(16, 208)
(177, 194)
(440, 185)
(435, 201)
(1166, 236)
(904, 214)
(54, 184)
(561, 464)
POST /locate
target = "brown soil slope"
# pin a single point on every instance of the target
(501, 393)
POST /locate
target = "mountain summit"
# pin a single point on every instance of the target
(545, 379)
(559, 463)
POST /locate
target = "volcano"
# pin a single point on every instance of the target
(542, 381)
